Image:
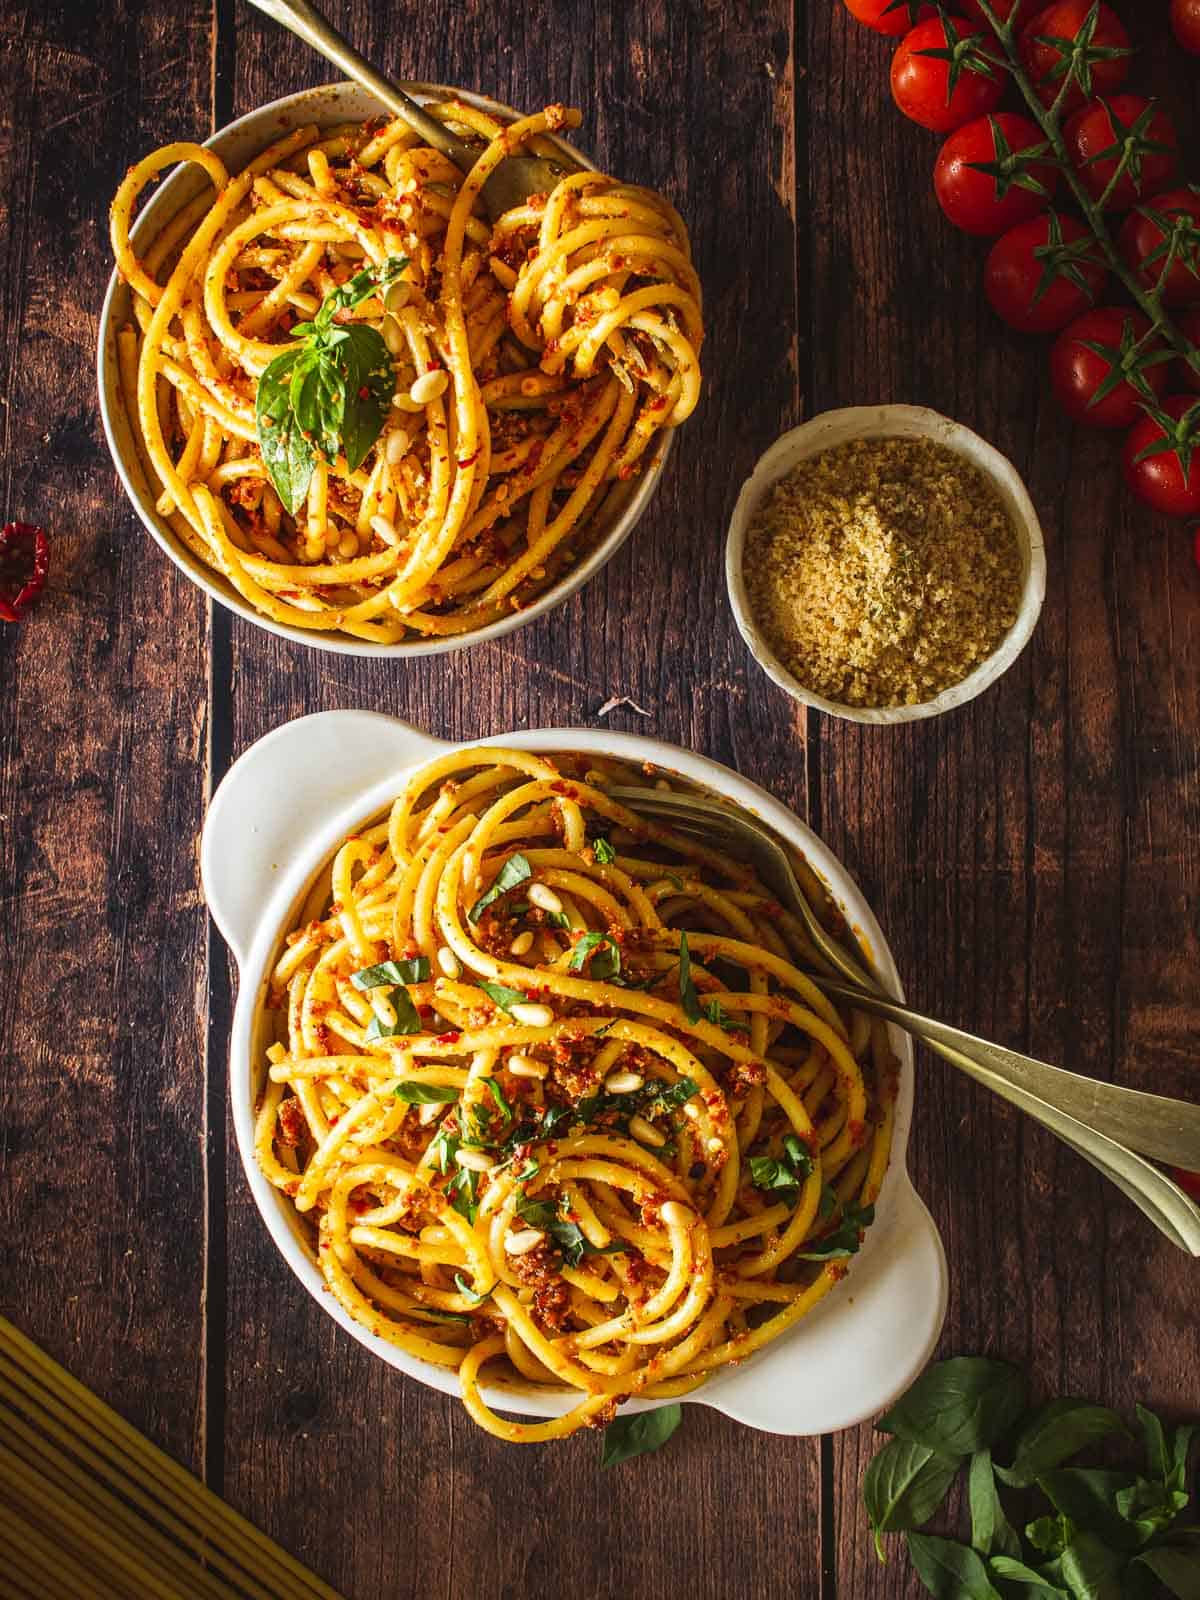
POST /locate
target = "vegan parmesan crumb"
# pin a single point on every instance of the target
(883, 571)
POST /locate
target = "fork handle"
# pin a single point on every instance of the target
(1168, 1130)
(307, 23)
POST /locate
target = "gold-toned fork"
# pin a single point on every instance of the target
(513, 181)
(1112, 1127)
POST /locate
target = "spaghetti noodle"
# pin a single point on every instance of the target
(534, 360)
(553, 1088)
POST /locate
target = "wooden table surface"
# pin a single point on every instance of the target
(1033, 857)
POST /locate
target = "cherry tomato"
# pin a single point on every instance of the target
(942, 91)
(1002, 8)
(1090, 362)
(988, 178)
(1065, 39)
(893, 17)
(1169, 478)
(1145, 244)
(1189, 326)
(1185, 21)
(1041, 274)
(1189, 1181)
(1097, 136)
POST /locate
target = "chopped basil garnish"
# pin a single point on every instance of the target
(425, 1094)
(514, 871)
(537, 1213)
(605, 956)
(497, 1093)
(407, 1020)
(603, 852)
(506, 999)
(845, 1238)
(414, 971)
(688, 998)
(716, 1013)
(575, 1244)
(784, 1176)
(464, 1288)
(558, 919)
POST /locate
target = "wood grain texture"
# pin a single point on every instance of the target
(101, 774)
(1033, 857)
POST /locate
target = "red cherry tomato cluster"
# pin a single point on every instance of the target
(1047, 273)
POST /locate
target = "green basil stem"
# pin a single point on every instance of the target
(1149, 300)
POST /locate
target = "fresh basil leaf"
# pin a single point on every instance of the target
(903, 1486)
(369, 382)
(1166, 1457)
(506, 999)
(1056, 1431)
(1177, 1568)
(1090, 1570)
(317, 396)
(444, 1145)
(446, 1316)
(557, 919)
(959, 1406)
(1150, 1507)
(407, 1019)
(468, 1289)
(639, 1434)
(528, 1171)
(787, 1175)
(498, 1096)
(716, 1013)
(688, 998)
(990, 1528)
(603, 852)
(574, 1243)
(828, 1202)
(425, 1094)
(415, 971)
(844, 1240)
(1050, 1535)
(357, 289)
(287, 454)
(798, 1155)
(655, 1099)
(605, 956)
(514, 871)
(463, 1189)
(537, 1213)
(1087, 1496)
(767, 1173)
(1012, 1570)
(949, 1570)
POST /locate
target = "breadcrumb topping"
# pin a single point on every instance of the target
(883, 571)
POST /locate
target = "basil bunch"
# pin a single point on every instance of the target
(327, 393)
(1107, 1535)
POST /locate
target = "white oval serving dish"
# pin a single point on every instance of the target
(832, 428)
(237, 144)
(282, 810)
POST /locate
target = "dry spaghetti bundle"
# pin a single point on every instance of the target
(557, 1096)
(468, 393)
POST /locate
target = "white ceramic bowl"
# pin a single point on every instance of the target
(276, 819)
(612, 521)
(889, 422)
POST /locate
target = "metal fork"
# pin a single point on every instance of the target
(1105, 1123)
(516, 177)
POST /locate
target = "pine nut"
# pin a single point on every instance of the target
(532, 1015)
(430, 1113)
(347, 546)
(397, 295)
(623, 1082)
(386, 529)
(397, 447)
(645, 1133)
(449, 963)
(715, 1146)
(544, 898)
(393, 336)
(429, 386)
(522, 944)
(523, 1066)
(523, 1241)
(475, 1160)
(470, 872)
(692, 1111)
(403, 401)
(675, 1215)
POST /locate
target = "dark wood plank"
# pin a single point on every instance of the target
(101, 762)
(1028, 855)
(460, 1513)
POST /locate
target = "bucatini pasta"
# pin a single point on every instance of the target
(556, 1093)
(534, 361)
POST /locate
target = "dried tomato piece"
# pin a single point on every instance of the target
(24, 563)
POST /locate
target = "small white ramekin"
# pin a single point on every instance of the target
(832, 428)
(237, 144)
(280, 813)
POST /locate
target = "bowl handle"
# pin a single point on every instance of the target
(288, 783)
(862, 1347)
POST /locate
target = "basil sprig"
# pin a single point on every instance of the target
(1108, 1533)
(327, 393)
(514, 871)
